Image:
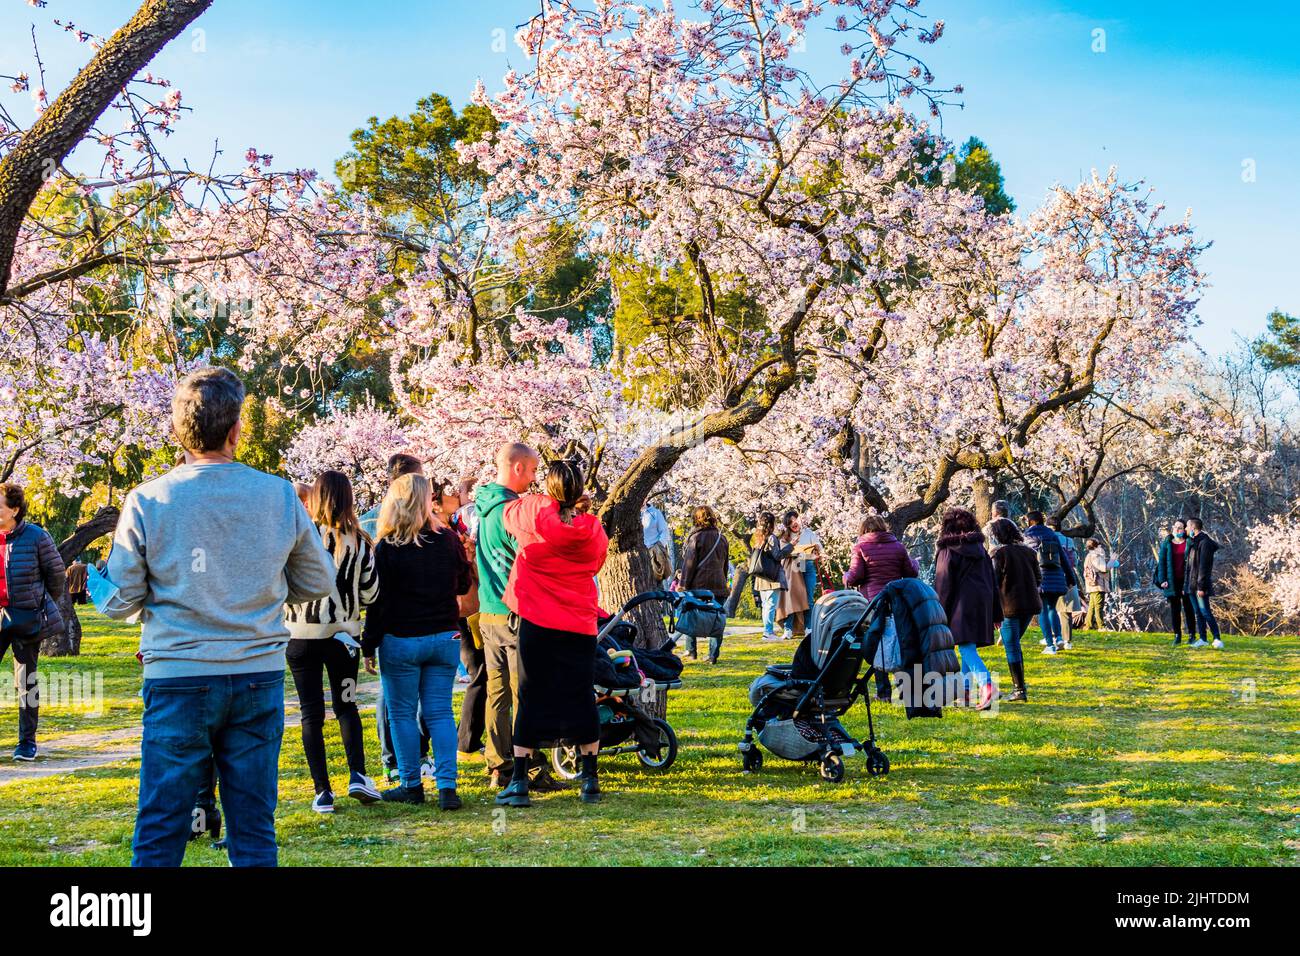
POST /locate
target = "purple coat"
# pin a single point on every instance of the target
(878, 558)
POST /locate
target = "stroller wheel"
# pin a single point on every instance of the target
(752, 759)
(667, 748)
(565, 761)
(833, 768)
(877, 763)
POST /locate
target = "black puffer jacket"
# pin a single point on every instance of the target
(1199, 565)
(34, 573)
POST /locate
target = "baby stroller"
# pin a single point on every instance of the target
(624, 727)
(797, 706)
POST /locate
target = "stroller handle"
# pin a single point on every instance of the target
(705, 598)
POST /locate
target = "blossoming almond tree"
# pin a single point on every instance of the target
(699, 145)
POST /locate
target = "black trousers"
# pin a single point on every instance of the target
(26, 651)
(473, 709)
(307, 659)
(1180, 601)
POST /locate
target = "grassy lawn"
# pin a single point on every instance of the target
(1190, 762)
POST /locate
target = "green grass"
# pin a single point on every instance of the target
(1187, 769)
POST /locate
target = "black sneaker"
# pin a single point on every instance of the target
(324, 802)
(448, 799)
(26, 752)
(363, 788)
(401, 794)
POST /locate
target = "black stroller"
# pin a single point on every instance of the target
(625, 727)
(797, 706)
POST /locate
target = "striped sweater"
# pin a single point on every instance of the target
(356, 585)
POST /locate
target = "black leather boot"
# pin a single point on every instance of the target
(1018, 682)
(516, 792)
(590, 792)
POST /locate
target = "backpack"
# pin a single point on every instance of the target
(1049, 553)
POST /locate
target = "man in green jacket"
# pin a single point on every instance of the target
(495, 556)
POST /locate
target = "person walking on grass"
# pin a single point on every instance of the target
(1096, 578)
(766, 558)
(963, 580)
(1058, 578)
(1199, 582)
(552, 589)
(516, 466)
(1070, 607)
(1171, 578)
(1000, 509)
(704, 568)
(414, 625)
(206, 556)
(878, 559)
(32, 579)
(324, 636)
(1018, 576)
(796, 600)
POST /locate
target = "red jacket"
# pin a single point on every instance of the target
(552, 583)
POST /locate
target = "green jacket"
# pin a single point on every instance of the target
(495, 555)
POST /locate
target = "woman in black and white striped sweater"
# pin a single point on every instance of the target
(323, 637)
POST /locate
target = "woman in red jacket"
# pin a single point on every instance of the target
(878, 559)
(552, 589)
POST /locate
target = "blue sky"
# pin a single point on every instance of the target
(1182, 96)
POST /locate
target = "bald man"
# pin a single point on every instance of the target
(516, 471)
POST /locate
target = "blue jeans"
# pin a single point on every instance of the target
(973, 665)
(417, 674)
(1013, 629)
(387, 756)
(810, 581)
(1049, 620)
(770, 600)
(1204, 616)
(236, 720)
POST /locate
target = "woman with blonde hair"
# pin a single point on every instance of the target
(323, 636)
(415, 626)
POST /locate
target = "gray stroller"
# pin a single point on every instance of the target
(797, 706)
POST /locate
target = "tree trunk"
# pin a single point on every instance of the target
(67, 643)
(26, 167)
(983, 495)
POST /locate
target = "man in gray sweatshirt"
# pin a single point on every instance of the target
(205, 557)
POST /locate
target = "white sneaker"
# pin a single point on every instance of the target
(1049, 649)
(1198, 643)
(324, 802)
(1068, 645)
(1218, 644)
(1043, 641)
(426, 768)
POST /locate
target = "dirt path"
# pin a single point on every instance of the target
(69, 753)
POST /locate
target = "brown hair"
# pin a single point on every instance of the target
(873, 523)
(331, 503)
(765, 526)
(958, 521)
(403, 464)
(1005, 532)
(704, 517)
(564, 482)
(15, 498)
(206, 407)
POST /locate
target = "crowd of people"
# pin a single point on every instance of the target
(234, 574)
